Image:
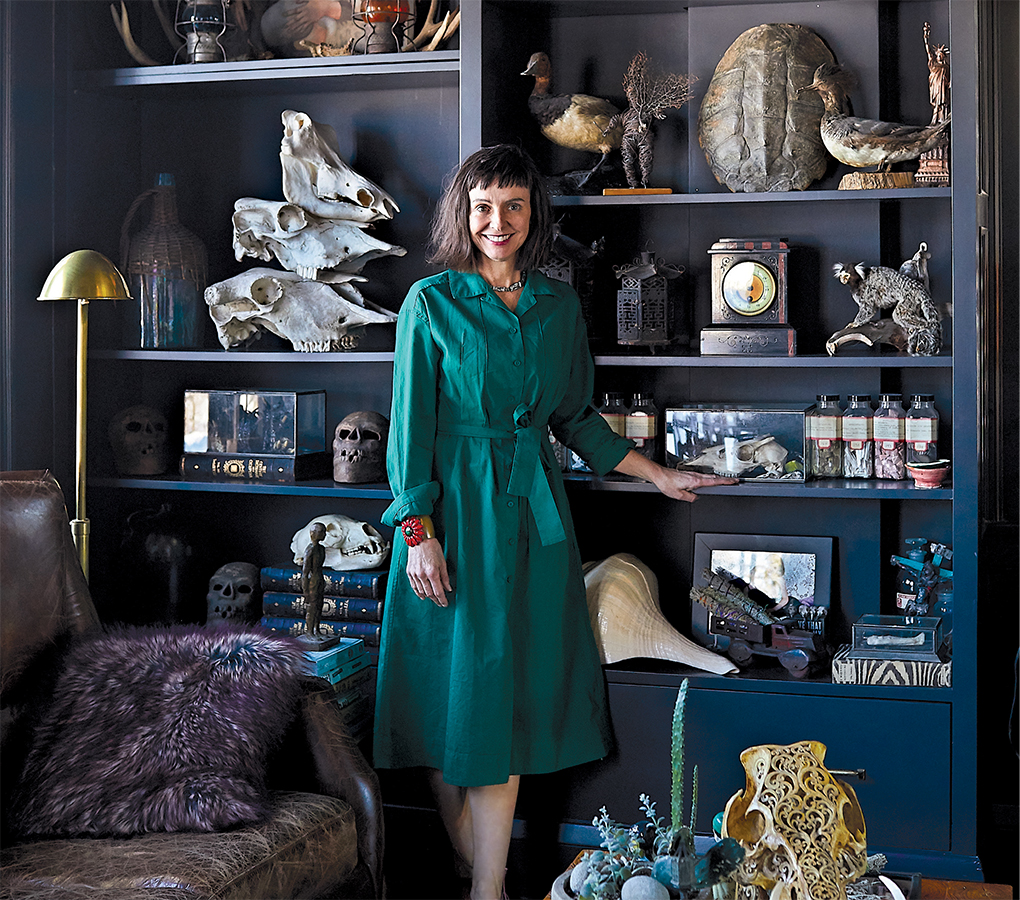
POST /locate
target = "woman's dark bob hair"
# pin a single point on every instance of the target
(504, 165)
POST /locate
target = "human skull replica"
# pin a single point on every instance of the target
(138, 437)
(359, 448)
(235, 594)
(348, 544)
(802, 831)
(311, 315)
(319, 181)
(313, 247)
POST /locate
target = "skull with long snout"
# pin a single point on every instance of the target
(348, 544)
(313, 247)
(318, 180)
(311, 315)
(802, 830)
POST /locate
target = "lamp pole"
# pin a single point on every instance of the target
(83, 276)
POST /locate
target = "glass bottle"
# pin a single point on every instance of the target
(167, 271)
(889, 431)
(858, 438)
(922, 429)
(825, 438)
(614, 411)
(642, 425)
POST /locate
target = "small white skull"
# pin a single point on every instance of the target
(235, 594)
(319, 181)
(802, 831)
(138, 437)
(359, 448)
(313, 247)
(311, 315)
(348, 544)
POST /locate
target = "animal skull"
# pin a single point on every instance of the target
(359, 448)
(138, 438)
(235, 594)
(311, 315)
(742, 456)
(802, 831)
(302, 242)
(348, 544)
(319, 181)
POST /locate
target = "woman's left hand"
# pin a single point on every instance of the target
(680, 485)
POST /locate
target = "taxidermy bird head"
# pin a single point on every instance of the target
(574, 121)
(862, 142)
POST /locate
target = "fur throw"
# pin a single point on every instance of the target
(159, 729)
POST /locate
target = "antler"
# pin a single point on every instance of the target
(123, 27)
(433, 33)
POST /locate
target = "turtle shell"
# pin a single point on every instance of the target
(758, 131)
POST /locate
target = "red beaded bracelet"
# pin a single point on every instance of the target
(416, 529)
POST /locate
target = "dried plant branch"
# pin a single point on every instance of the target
(651, 92)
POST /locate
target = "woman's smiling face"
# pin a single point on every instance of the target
(499, 221)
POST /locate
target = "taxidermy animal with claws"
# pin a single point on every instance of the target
(866, 142)
(574, 121)
(876, 288)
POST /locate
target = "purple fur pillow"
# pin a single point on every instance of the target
(159, 729)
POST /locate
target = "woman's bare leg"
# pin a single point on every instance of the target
(455, 812)
(492, 819)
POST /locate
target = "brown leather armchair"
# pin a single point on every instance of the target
(326, 835)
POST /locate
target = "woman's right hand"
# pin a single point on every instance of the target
(426, 570)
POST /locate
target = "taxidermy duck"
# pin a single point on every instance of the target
(574, 121)
(866, 142)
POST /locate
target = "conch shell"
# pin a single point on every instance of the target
(623, 603)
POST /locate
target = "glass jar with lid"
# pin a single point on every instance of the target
(614, 411)
(858, 438)
(824, 428)
(889, 432)
(642, 425)
(922, 429)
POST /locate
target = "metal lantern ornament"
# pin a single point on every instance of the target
(201, 23)
(644, 315)
(383, 23)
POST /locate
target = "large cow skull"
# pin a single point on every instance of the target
(313, 247)
(311, 315)
(319, 181)
(802, 831)
(349, 544)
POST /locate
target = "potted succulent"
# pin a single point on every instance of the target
(652, 859)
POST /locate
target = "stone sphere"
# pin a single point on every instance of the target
(643, 887)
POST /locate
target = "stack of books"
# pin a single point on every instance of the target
(346, 668)
(352, 607)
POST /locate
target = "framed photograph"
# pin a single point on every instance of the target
(799, 567)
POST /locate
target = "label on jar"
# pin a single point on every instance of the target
(921, 431)
(889, 431)
(857, 431)
(616, 421)
(824, 429)
(640, 426)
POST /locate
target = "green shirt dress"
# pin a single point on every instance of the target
(506, 680)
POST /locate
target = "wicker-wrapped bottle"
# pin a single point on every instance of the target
(167, 270)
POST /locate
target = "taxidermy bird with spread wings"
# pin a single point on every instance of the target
(574, 121)
(866, 142)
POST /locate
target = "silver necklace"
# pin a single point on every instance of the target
(516, 286)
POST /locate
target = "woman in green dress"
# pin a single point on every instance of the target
(488, 667)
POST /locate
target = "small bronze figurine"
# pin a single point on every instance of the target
(313, 584)
(933, 168)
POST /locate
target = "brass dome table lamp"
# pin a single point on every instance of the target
(84, 275)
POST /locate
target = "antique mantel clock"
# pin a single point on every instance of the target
(749, 314)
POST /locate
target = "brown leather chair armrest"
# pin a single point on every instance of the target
(320, 755)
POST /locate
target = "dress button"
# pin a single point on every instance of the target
(510, 503)
(517, 363)
(513, 331)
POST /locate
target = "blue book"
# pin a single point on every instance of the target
(367, 631)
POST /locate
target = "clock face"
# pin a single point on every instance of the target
(749, 288)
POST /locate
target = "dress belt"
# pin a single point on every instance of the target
(528, 477)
